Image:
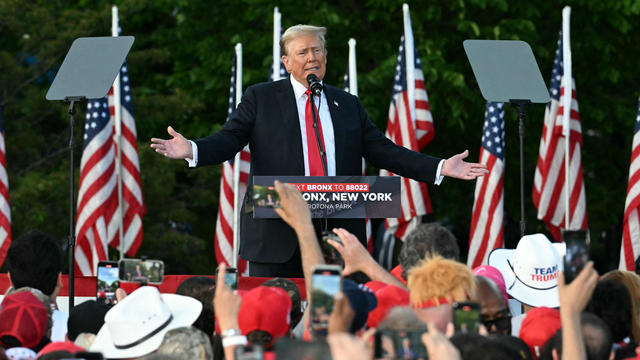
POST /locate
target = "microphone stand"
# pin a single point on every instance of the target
(323, 155)
(314, 116)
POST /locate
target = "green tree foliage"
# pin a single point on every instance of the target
(180, 67)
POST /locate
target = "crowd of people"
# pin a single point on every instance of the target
(518, 307)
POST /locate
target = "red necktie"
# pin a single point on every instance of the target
(315, 160)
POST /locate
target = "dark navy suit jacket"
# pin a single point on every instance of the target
(267, 119)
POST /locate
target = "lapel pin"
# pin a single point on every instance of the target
(336, 103)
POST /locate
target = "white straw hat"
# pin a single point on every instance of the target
(136, 325)
(531, 270)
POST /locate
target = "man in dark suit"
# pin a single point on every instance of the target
(275, 120)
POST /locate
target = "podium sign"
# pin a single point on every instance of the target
(351, 197)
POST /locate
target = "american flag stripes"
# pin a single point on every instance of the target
(488, 206)
(98, 214)
(224, 224)
(549, 181)
(5, 210)
(133, 202)
(630, 248)
(97, 194)
(411, 133)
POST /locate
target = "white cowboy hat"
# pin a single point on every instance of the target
(531, 270)
(136, 325)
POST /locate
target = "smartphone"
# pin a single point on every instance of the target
(326, 281)
(466, 317)
(577, 254)
(142, 271)
(231, 277)
(299, 349)
(265, 196)
(248, 352)
(399, 344)
(107, 282)
(330, 254)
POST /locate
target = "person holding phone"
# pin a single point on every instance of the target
(275, 120)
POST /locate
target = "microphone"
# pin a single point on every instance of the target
(314, 84)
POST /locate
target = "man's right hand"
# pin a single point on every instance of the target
(175, 148)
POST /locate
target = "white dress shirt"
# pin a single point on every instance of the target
(325, 121)
(327, 133)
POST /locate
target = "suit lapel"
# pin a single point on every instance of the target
(339, 132)
(289, 111)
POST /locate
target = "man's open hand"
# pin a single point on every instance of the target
(455, 167)
(175, 148)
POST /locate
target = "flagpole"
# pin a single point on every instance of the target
(117, 107)
(353, 75)
(409, 63)
(566, 115)
(276, 44)
(236, 162)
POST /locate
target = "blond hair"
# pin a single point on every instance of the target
(436, 278)
(302, 30)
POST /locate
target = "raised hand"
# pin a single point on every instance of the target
(293, 209)
(355, 255)
(455, 167)
(175, 148)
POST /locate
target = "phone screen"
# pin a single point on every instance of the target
(299, 349)
(325, 284)
(577, 254)
(330, 254)
(107, 282)
(142, 271)
(265, 196)
(399, 344)
(466, 317)
(231, 278)
(248, 352)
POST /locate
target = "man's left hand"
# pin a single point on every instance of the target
(455, 167)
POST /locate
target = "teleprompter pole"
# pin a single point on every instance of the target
(521, 117)
(72, 208)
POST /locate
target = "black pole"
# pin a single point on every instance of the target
(72, 208)
(521, 116)
(314, 115)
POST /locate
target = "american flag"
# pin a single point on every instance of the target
(488, 214)
(224, 224)
(5, 210)
(97, 194)
(98, 215)
(630, 248)
(549, 181)
(133, 202)
(412, 134)
(364, 172)
(283, 71)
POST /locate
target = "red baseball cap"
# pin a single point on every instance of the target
(538, 326)
(24, 317)
(267, 309)
(67, 346)
(375, 285)
(397, 273)
(388, 297)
